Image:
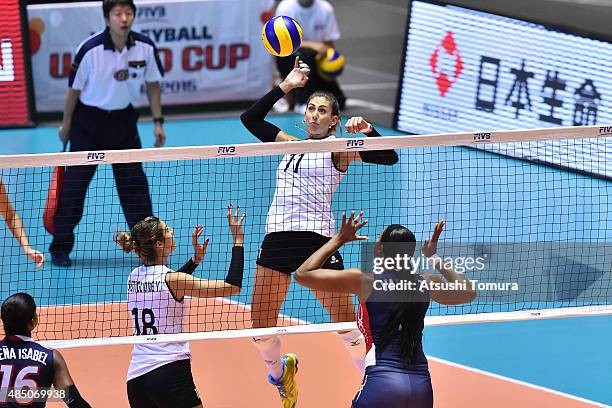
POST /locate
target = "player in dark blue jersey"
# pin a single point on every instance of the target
(392, 308)
(27, 369)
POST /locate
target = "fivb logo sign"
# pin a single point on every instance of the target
(605, 131)
(226, 150)
(7, 68)
(151, 13)
(93, 157)
(355, 143)
(482, 137)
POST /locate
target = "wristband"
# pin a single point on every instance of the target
(236, 269)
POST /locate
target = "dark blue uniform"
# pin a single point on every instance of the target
(389, 382)
(104, 119)
(25, 361)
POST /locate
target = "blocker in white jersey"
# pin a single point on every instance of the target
(160, 373)
(300, 219)
(154, 311)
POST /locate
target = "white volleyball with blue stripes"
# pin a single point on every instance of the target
(282, 36)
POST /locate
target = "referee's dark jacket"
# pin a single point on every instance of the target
(104, 119)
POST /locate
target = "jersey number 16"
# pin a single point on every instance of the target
(21, 382)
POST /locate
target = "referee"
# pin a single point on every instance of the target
(107, 73)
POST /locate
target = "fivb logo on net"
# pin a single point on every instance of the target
(605, 131)
(482, 137)
(7, 67)
(226, 150)
(95, 157)
(355, 144)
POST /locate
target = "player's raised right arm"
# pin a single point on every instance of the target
(446, 297)
(254, 117)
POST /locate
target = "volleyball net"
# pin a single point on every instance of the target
(537, 239)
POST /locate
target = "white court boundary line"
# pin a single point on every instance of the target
(298, 147)
(515, 381)
(306, 327)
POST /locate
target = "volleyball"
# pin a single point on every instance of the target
(330, 64)
(281, 36)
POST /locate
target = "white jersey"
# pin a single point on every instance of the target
(154, 311)
(305, 185)
(318, 21)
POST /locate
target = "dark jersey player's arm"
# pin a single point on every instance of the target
(62, 380)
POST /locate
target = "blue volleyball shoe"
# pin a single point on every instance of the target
(286, 385)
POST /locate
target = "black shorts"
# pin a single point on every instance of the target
(168, 386)
(286, 251)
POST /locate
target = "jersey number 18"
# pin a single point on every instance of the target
(148, 321)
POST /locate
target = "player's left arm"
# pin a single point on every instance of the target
(358, 124)
(183, 284)
(62, 380)
(311, 275)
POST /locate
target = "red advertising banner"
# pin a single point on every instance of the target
(15, 77)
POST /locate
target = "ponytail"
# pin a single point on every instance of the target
(125, 241)
(142, 238)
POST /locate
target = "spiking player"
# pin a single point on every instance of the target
(300, 221)
(397, 374)
(27, 369)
